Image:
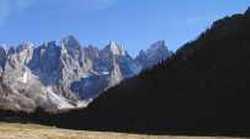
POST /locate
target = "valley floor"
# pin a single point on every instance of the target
(31, 131)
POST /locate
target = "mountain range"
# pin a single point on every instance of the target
(63, 74)
(203, 88)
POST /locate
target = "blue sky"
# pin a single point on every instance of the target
(134, 23)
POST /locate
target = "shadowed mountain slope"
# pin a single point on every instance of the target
(203, 88)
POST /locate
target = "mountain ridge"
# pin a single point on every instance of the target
(64, 74)
(201, 89)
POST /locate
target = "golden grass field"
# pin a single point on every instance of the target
(31, 131)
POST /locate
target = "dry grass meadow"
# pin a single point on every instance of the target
(31, 131)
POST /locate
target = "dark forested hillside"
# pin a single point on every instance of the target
(204, 87)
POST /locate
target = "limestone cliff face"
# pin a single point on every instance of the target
(65, 75)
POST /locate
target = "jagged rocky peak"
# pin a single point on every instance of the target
(64, 73)
(24, 52)
(157, 52)
(3, 51)
(115, 49)
(91, 51)
(158, 43)
(24, 46)
(70, 45)
(70, 42)
(50, 44)
(10, 49)
(91, 48)
(158, 46)
(5, 47)
(3, 57)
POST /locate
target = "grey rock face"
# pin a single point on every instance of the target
(3, 58)
(154, 55)
(65, 75)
